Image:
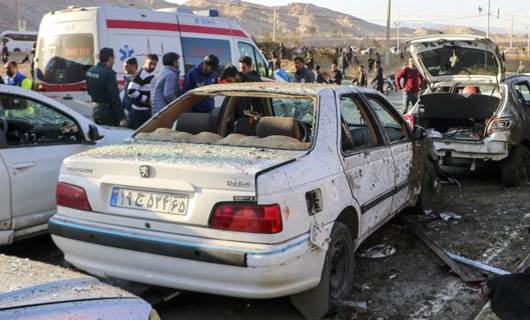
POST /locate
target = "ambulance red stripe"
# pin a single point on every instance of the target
(160, 26)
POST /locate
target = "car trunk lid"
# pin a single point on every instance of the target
(193, 177)
(462, 59)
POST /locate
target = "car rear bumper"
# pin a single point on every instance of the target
(194, 265)
(486, 149)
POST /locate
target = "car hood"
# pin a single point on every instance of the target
(462, 59)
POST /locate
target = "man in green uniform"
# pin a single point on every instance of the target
(102, 87)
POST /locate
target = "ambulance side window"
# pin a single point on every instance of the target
(258, 63)
(195, 49)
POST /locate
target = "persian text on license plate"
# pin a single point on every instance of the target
(149, 201)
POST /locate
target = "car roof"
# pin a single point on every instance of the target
(298, 89)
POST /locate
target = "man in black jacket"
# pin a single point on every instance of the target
(247, 73)
(102, 87)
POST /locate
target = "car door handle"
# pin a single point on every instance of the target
(23, 165)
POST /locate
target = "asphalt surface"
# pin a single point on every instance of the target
(411, 284)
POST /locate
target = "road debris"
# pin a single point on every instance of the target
(360, 306)
(476, 264)
(464, 272)
(377, 252)
(446, 216)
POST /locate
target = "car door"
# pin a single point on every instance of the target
(38, 138)
(5, 187)
(521, 96)
(401, 146)
(367, 161)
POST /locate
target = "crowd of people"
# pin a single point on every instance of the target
(146, 92)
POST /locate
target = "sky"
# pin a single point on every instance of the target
(453, 12)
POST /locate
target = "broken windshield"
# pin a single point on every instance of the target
(277, 122)
(452, 60)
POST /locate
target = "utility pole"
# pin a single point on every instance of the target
(387, 44)
(489, 16)
(17, 15)
(528, 41)
(398, 26)
(274, 18)
(511, 34)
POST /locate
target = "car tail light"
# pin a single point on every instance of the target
(499, 125)
(247, 217)
(72, 196)
(409, 118)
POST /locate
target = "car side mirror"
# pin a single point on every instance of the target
(93, 133)
(419, 133)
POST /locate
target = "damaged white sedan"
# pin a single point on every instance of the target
(269, 198)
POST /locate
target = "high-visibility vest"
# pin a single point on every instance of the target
(26, 84)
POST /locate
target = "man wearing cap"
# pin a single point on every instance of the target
(202, 74)
(102, 87)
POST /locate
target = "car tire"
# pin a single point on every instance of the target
(427, 195)
(340, 264)
(336, 279)
(515, 169)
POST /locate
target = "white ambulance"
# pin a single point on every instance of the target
(70, 39)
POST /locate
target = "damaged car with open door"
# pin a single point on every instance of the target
(269, 198)
(472, 113)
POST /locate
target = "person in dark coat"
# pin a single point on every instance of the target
(509, 295)
(102, 87)
(378, 80)
(302, 74)
(320, 76)
(203, 74)
(335, 75)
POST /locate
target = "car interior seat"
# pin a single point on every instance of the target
(278, 126)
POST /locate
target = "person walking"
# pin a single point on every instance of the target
(5, 51)
(102, 87)
(15, 77)
(139, 90)
(280, 75)
(130, 66)
(272, 62)
(302, 74)
(378, 80)
(166, 84)
(362, 78)
(203, 74)
(281, 52)
(320, 76)
(520, 70)
(335, 75)
(343, 63)
(412, 81)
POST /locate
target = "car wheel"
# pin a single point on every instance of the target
(428, 190)
(515, 169)
(340, 263)
(336, 279)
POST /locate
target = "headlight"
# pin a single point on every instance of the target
(154, 315)
(499, 125)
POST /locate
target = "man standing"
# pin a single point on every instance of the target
(320, 75)
(379, 79)
(139, 91)
(102, 87)
(166, 84)
(335, 75)
(302, 74)
(362, 78)
(520, 70)
(203, 74)
(130, 66)
(412, 81)
(5, 51)
(247, 74)
(280, 75)
(15, 77)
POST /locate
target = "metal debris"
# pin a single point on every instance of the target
(446, 216)
(377, 252)
(360, 306)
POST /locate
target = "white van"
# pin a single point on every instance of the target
(19, 41)
(70, 39)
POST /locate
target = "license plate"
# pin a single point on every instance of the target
(149, 201)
